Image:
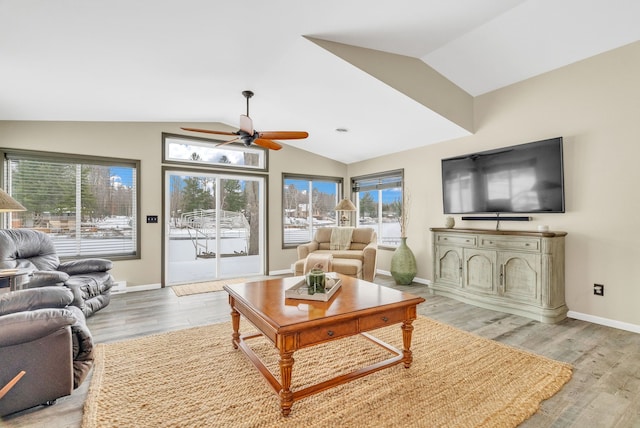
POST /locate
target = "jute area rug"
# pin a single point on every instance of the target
(204, 287)
(194, 378)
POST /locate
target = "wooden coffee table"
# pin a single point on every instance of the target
(358, 306)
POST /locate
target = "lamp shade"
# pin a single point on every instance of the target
(8, 204)
(345, 205)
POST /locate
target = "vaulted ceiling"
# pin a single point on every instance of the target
(395, 74)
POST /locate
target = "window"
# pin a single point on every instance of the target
(379, 198)
(208, 152)
(308, 203)
(87, 205)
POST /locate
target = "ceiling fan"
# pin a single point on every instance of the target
(249, 136)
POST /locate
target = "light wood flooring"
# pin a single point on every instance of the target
(604, 390)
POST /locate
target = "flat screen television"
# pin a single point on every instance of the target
(526, 178)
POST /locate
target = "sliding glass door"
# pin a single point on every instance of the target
(214, 226)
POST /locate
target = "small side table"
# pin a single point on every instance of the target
(18, 278)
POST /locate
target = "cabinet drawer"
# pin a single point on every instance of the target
(328, 332)
(381, 320)
(527, 244)
(464, 240)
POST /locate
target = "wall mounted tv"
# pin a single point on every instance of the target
(526, 178)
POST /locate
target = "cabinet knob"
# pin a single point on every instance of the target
(330, 333)
(385, 319)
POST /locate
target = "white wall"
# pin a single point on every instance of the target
(595, 106)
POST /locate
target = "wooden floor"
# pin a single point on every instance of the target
(604, 390)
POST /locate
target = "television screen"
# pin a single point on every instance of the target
(527, 178)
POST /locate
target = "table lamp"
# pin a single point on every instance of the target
(8, 204)
(345, 205)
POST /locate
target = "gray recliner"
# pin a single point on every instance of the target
(42, 335)
(89, 279)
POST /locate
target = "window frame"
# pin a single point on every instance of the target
(78, 159)
(397, 177)
(212, 144)
(339, 181)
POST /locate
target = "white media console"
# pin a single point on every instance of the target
(516, 272)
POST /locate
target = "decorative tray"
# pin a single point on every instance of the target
(300, 290)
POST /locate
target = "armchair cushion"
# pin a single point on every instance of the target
(90, 290)
(78, 267)
(28, 326)
(35, 298)
(26, 248)
(44, 278)
(363, 237)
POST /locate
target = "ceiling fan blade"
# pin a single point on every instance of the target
(283, 135)
(207, 131)
(246, 124)
(233, 140)
(263, 142)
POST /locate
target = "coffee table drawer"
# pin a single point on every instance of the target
(381, 320)
(324, 333)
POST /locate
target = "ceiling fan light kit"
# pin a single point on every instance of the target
(247, 135)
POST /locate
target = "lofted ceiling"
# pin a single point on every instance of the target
(188, 61)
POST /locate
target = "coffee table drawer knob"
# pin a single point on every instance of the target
(320, 334)
(385, 319)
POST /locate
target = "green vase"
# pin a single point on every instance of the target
(403, 264)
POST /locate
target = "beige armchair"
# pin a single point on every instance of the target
(357, 258)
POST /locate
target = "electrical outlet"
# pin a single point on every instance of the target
(598, 289)
(152, 219)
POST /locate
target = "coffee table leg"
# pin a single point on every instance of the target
(286, 396)
(407, 329)
(235, 322)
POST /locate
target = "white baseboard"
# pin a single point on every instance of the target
(422, 281)
(416, 279)
(604, 321)
(144, 287)
(119, 287)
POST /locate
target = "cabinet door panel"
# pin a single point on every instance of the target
(520, 276)
(448, 264)
(479, 270)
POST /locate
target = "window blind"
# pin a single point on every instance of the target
(88, 206)
(386, 180)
